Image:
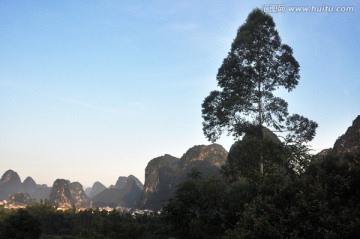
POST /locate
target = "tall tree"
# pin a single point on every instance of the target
(257, 65)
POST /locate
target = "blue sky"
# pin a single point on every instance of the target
(93, 90)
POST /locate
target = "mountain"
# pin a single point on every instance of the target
(36, 191)
(120, 183)
(96, 189)
(208, 159)
(350, 141)
(60, 193)
(160, 181)
(29, 186)
(126, 193)
(87, 191)
(137, 181)
(42, 192)
(111, 197)
(67, 194)
(132, 191)
(163, 174)
(20, 199)
(78, 195)
(10, 183)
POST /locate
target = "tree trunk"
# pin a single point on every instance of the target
(260, 130)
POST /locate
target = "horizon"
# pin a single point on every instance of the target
(93, 91)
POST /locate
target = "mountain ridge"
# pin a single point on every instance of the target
(162, 175)
(349, 142)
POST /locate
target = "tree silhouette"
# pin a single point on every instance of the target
(257, 65)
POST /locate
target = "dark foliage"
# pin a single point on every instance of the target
(196, 210)
(46, 220)
(20, 225)
(321, 202)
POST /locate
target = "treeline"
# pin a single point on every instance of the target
(321, 201)
(45, 221)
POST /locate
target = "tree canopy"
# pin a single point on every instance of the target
(257, 65)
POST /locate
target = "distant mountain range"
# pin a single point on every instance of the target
(162, 176)
(10, 184)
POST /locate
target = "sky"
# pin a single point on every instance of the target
(93, 90)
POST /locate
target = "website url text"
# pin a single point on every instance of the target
(282, 8)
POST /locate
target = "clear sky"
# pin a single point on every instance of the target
(93, 90)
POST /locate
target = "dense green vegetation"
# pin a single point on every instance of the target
(44, 219)
(321, 202)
